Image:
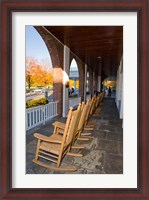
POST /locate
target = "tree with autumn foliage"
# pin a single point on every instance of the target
(37, 75)
(29, 72)
(47, 77)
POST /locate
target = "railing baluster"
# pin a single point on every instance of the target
(30, 119)
(35, 117)
(40, 114)
(43, 115)
(52, 109)
(46, 112)
(27, 119)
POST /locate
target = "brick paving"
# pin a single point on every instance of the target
(103, 153)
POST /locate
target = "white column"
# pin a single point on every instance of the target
(85, 79)
(118, 87)
(121, 108)
(65, 90)
(99, 83)
(93, 83)
(119, 90)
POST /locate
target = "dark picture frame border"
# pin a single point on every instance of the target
(142, 9)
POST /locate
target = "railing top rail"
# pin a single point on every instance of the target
(41, 106)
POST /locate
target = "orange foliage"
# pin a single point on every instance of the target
(73, 83)
(77, 84)
(36, 75)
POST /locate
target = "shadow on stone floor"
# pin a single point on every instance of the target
(103, 153)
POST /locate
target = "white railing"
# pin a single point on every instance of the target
(40, 114)
(74, 101)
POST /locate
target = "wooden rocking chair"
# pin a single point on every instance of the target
(55, 147)
(97, 109)
(59, 127)
(82, 123)
(89, 124)
(93, 110)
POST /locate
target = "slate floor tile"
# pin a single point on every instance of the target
(103, 153)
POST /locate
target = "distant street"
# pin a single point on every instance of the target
(38, 95)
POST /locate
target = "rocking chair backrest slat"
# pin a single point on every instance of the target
(82, 117)
(88, 111)
(92, 104)
(68, 121)
(73, 125)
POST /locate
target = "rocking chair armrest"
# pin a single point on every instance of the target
(46, 138)
(59, 124)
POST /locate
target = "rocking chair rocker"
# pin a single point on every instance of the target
(55, 147)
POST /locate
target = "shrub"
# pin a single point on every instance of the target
(38, 102)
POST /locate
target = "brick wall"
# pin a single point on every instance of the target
(55, 49)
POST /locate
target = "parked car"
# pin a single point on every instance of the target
(39, 90)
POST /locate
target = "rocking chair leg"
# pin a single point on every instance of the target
(37, 150)
(88, 129)
(74, 154)
(86, 134)
(77, 147)
(83, 139)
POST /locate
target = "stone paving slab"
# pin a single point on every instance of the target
(113, 164)
(103, 153)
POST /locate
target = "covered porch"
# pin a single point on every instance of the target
(98, 52)
(103, 153)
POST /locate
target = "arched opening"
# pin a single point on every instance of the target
(39, 74)
(73, 79)
(55, 49)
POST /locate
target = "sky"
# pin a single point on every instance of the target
(36, 48)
